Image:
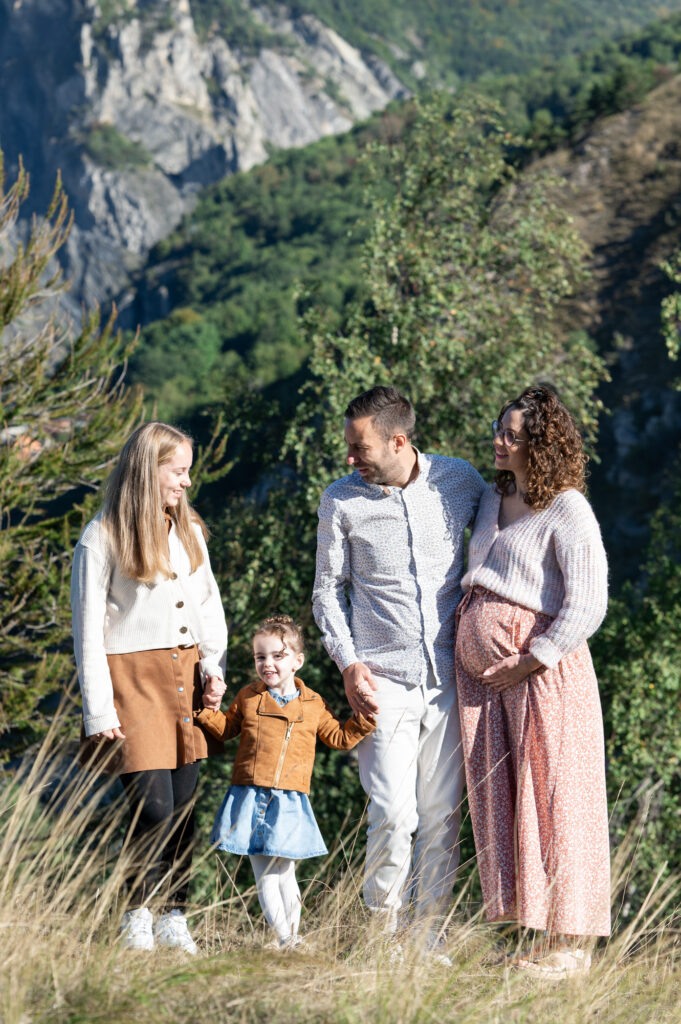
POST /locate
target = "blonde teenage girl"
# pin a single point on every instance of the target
(150, 638)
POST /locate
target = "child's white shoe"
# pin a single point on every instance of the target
(292, 942)
(395, 954)
(436, 950)
(136, 930)
(171, 930)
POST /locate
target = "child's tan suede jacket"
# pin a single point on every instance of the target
(277, 744)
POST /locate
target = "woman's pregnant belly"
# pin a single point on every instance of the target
(491, 628)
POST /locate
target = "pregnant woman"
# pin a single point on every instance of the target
(150, 640)
(531, 721)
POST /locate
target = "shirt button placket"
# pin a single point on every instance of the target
(414, 520)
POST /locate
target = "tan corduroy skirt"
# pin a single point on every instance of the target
(155, 694)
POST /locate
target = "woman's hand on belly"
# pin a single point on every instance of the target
(509, 671)
(110, 734)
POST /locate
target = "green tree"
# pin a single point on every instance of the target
(671, 307)
(637, 660)
(64, 414)
(466, 267)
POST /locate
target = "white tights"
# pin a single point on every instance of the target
(278, 892)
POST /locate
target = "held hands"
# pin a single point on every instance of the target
(213, 692)
(212, 697)
(359, 683)
(509, 671)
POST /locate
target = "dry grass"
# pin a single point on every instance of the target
(61, 906)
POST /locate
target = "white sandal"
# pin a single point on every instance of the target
(558, 964)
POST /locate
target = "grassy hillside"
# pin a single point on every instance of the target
(63, 899)
(558, 100)
(230, 276)
(453, 39)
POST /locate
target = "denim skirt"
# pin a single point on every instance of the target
(271, 822)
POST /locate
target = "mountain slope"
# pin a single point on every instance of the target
(235, 261)
(139, 111)
(140, 103)
(460, 39)
(625, 196)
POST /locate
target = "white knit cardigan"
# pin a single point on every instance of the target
(550, 561)
(114, 614)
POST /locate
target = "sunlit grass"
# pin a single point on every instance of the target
(61, 867)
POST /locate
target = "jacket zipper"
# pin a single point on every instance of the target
(284, 745)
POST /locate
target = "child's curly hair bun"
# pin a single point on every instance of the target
(286, 628)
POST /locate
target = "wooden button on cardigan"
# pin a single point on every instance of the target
(277, 744)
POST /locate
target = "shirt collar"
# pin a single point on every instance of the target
(424, 470)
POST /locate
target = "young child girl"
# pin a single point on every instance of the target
(267, 813)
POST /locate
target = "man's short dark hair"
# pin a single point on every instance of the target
(390, 410)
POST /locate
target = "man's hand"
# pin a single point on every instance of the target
(359, 683)
(213, 692)
(110, 734)
(510, 671)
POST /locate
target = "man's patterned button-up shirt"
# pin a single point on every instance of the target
(389, 567)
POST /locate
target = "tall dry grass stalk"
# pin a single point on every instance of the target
(62, 863)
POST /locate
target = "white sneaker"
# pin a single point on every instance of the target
(171, 930)
(395, 954)
(441, 959)
(136, 930)
(292, 942)
(436, 951)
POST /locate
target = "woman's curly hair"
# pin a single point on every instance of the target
(556, 456)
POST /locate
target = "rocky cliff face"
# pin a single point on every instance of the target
(138, 112)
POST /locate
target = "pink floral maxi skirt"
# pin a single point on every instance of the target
(535, 771)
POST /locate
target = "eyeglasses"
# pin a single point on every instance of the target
(507, 436)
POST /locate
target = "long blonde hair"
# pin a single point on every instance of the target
(133, 515)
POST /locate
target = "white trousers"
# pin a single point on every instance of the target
(411, 768)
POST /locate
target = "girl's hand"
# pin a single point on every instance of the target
(213, 692)
(110, 734)
(359, 684)
(509, 671)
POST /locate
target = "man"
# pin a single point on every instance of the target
(389, 563)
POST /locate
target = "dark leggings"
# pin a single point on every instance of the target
(161, 832)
